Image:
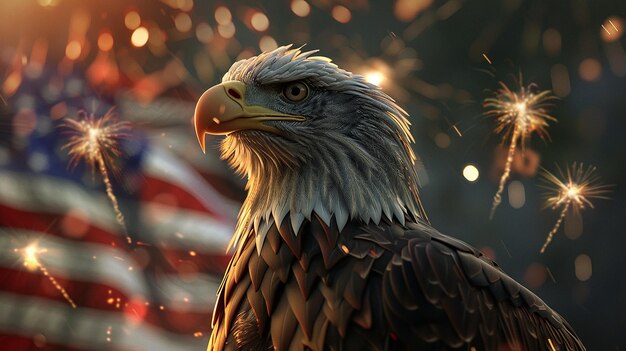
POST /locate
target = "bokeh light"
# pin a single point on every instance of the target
(73, 50)
(204, 33)
(132, 20)
(341, 14)
(259, 22)
(376, 78)
(267, 43)
(517, 194)
(583, 267)
(105, 41)
(300, 8)
(223, 15)
(612, 29)
(590, 69)
(471, 173)
(140, 37)
(183, 23)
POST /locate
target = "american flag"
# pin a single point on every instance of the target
(156, 294)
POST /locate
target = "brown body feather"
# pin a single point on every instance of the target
(376, 287)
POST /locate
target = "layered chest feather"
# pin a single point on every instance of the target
(301, 291)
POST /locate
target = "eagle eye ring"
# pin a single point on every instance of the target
(296, 92)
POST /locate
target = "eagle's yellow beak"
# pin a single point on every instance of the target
(223, 110)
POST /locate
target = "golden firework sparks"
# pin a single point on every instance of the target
(96, 140)
(30, 256)
(572, 190)
(518, 115)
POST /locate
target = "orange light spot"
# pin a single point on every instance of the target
(227, 30)
(300, 8)
(260, 22)
(341, 14)
(183, 23)
(12, 83)
(204, 33)
(73, 50)
(132, 20)
(590, 69)
(267, 43)
(105, 41)
(223, 15)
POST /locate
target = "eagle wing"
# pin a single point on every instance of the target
(442, 291)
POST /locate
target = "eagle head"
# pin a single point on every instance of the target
(311, 138)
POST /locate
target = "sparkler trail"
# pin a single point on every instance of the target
(518, 115)
(572, 190)
(31, 261)
(119, 216)
(96, 141)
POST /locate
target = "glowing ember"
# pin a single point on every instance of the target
(518, 115)
(96, 141)
(574, 190)
(30, 256)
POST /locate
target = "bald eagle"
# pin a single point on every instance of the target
(333, 250)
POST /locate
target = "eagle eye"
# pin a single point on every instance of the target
(296, 92)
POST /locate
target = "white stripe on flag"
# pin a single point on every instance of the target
(38, 193)
(186, 229)
(85, 328)
(162, 164)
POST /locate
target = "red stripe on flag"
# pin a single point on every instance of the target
(106, 298)
(11, 342)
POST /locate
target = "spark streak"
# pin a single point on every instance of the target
(30, 256)
(96, 141)
(487, 58)
(572, 190)
(518, 115)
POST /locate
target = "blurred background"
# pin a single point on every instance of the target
(69, 280)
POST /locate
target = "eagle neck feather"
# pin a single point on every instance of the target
(338, 188)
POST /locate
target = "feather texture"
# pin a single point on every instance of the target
(377, 287)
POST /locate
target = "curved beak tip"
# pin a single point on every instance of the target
(200, 134)
(202, 143)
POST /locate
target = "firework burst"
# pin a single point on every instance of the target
(30, 256)
(96, 140)
(518, 115)
(571, 190)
